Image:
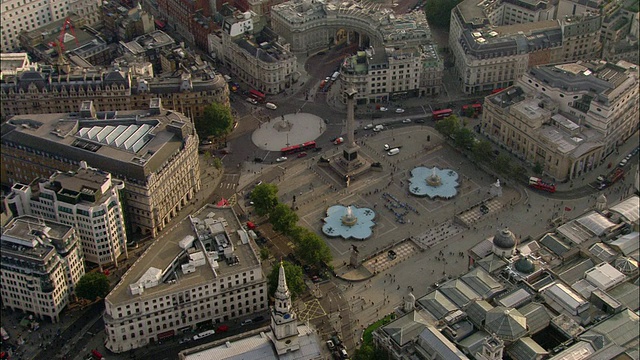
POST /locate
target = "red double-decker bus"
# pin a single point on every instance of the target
(476, 108)
(255, 94)
(537, 183)
(309, 145)
(441, 114)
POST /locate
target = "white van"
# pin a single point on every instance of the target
(394, 151)
(203, 334)
(378, 128)
(271, 106)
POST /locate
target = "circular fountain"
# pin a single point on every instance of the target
(349, 219)
(434, 180)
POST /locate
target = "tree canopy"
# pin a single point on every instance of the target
(310, 247)
(265, 198)
(295, 281)
(92, 285)
(283, 219)
(465, 138)
(482, 150)
(448, 126)
(216, 121)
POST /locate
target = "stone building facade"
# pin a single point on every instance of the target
(155, 153)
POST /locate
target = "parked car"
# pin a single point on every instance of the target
(399, 111)
(316, 279)
(406, 121)
(330, 345)
(222, 328)
(392, 254)
(281, 159)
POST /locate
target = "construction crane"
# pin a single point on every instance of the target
(66, 25)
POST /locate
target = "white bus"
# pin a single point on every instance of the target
(203, 334)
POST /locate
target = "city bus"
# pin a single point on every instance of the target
(309, 145)
(257, 95)
(441, 114)
(537, 183)
(472, 109)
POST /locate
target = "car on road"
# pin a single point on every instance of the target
(378, 128)
(330, 345)
(258, 319)
(318, 149)
(392, 254)
(406, 121)
(252, 101)
(383, 109)
(399, 110)
(338, 141)
(281, 159)
(623, 162)
(222, 328)
(420, 121)
(600, 178)
(206, 142)
(368, 126)
(184, 341)
(246, 322)
(302, 154)
(271, 106)
(316, 279)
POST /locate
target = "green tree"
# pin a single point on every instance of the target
(464, 138)
(216, 121)
(293, 273)
(503, 163)
(265, 198)
(438, 12)
(264, 253)
(370, 352)
(538, 168)
(92, 285)
(310, 247)
(217, 163)
(482, 150)
(448, 126)
(283, 219)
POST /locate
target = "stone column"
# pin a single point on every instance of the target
(351, 93)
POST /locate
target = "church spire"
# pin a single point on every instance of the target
(282, 295)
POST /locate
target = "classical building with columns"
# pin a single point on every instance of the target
(567, 117)
(154, 151)
(400, 61)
